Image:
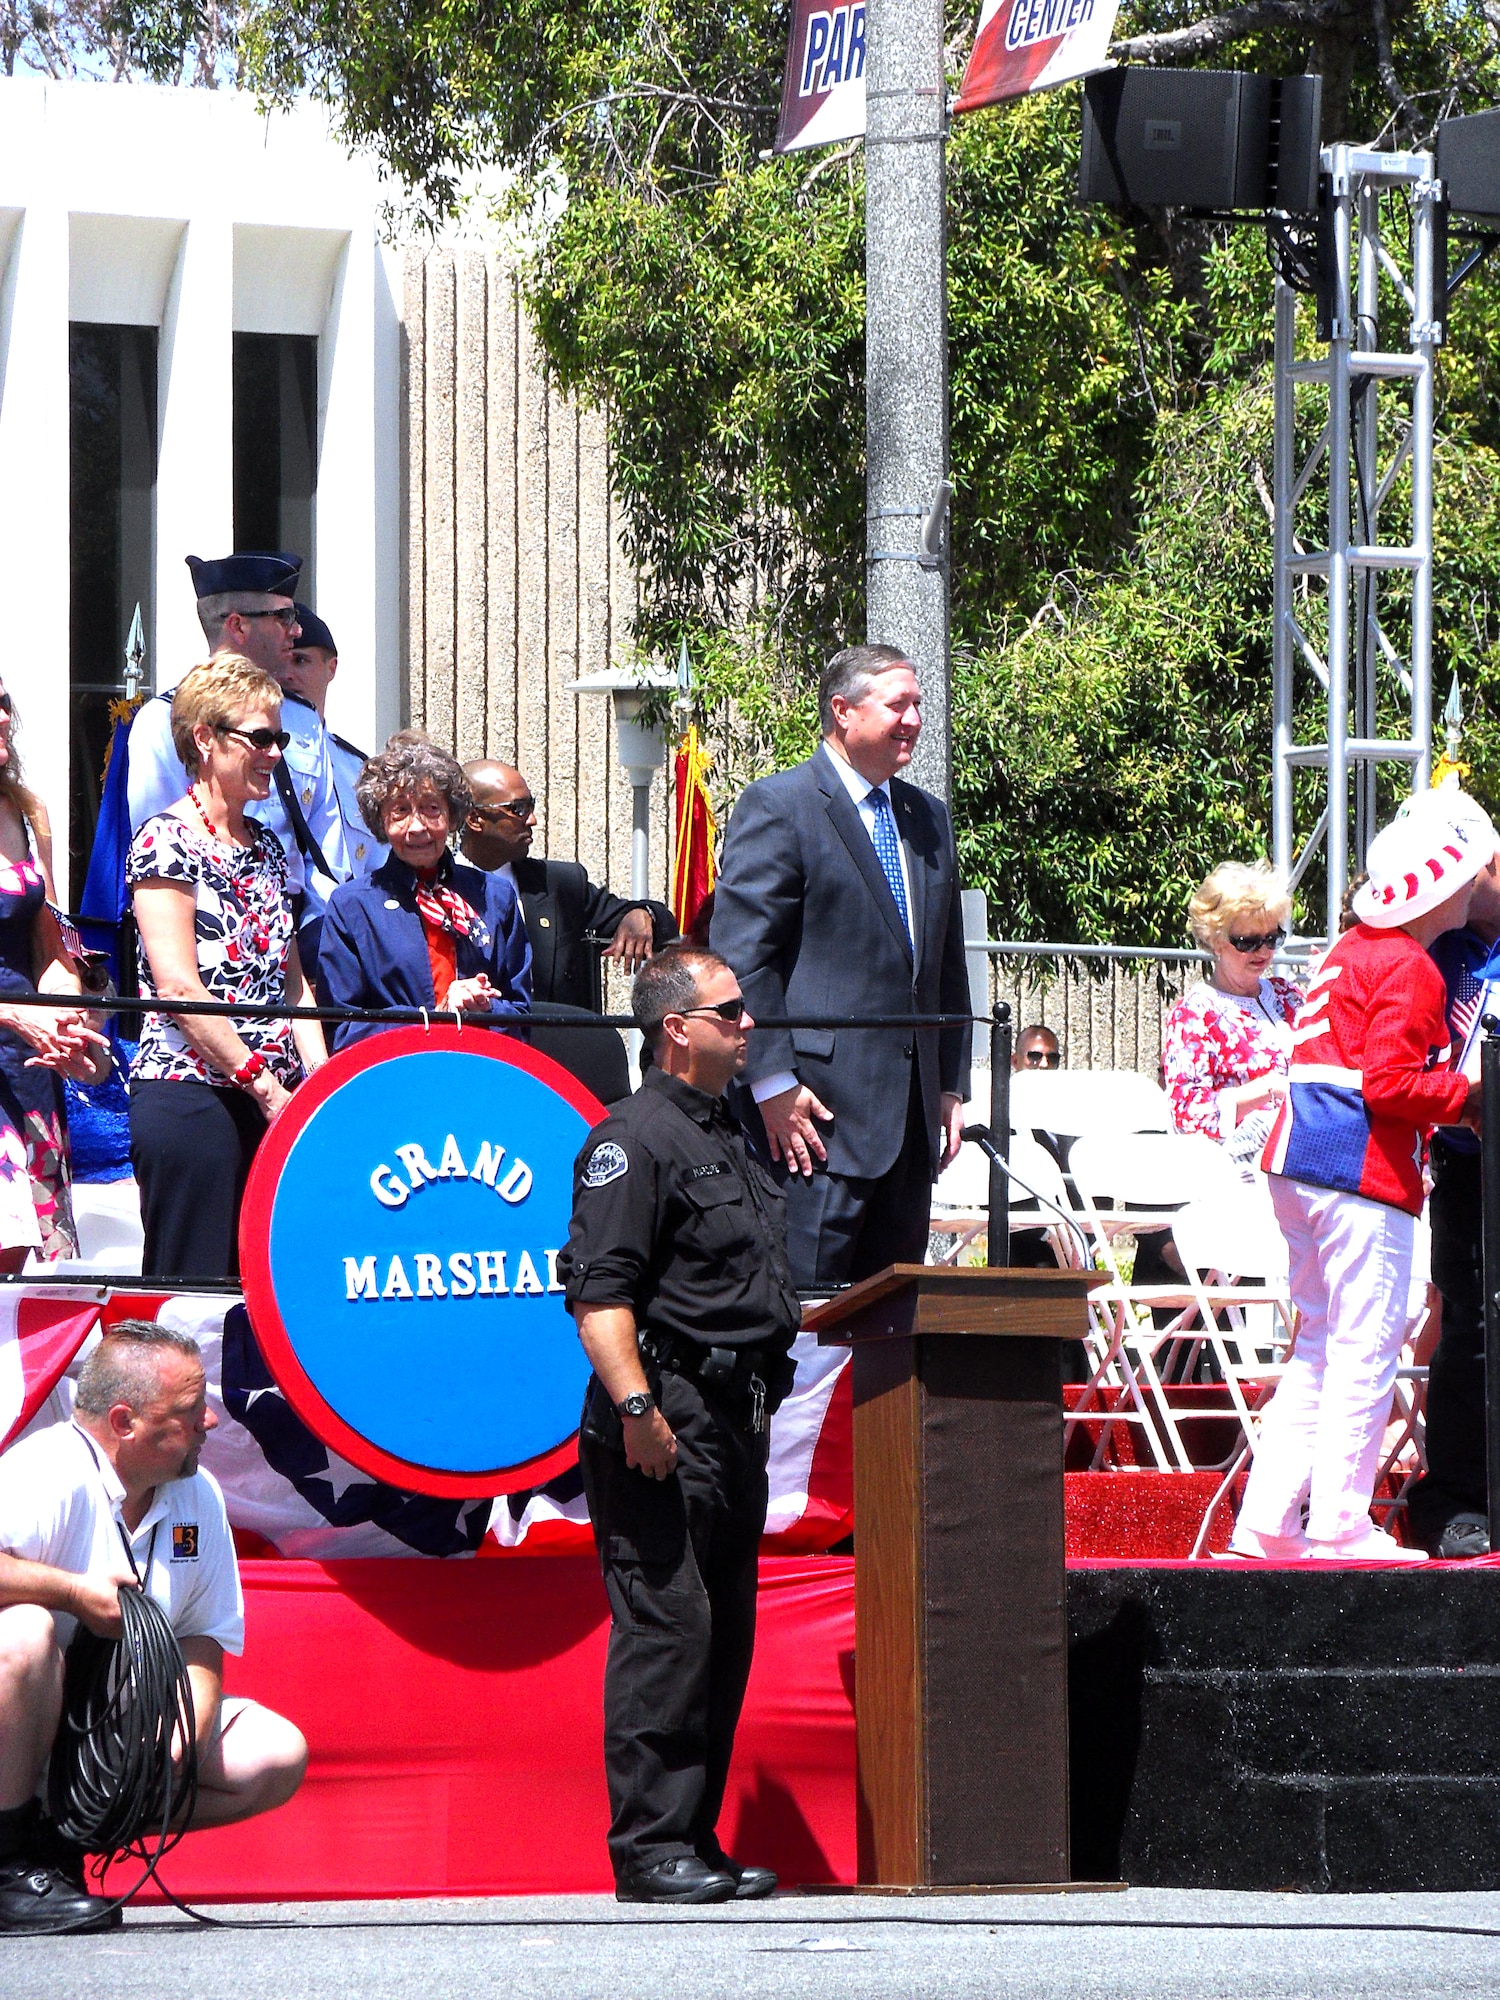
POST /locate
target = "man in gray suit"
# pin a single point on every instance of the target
(839, 895)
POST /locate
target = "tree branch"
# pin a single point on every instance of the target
(1200, 37)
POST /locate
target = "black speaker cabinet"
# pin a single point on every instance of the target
(1196, 138)
(1468, 162)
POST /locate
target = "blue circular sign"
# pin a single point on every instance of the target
(400, 1240)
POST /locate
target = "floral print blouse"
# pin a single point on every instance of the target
(1216, 1041)
(243, 925)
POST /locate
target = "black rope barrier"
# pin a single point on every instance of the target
(427, 1017)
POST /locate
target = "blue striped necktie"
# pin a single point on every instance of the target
(888, 852)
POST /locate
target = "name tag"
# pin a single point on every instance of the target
(705, 1173)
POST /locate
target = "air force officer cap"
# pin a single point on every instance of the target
(274, 571)
(314, 631)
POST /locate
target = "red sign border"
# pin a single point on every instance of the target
(255, 1257)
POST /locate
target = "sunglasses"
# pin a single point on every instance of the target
(727, 1010)
(284, 615)
(7, 707)
(520, 809)
(258, 739)
(1043, 1058)
(1267, 941)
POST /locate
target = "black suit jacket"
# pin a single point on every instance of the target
(560, 905)
(804, 914)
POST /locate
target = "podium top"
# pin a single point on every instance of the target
(907, 1299)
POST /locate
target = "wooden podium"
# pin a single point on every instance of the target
(961, 1641)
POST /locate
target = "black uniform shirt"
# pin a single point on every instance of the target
(676, 1219)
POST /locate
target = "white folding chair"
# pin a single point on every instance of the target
(1135, 1183)
(1235, 1260)
(1070, 1104)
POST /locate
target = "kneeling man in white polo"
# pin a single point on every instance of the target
(115, 1500)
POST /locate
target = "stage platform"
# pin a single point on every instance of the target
(1233, 1726)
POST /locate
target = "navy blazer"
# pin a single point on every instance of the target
(374, 949)
(804, 914)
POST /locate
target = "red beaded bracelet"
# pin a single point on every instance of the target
(249, 1069)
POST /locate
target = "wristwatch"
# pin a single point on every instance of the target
(636, 1405)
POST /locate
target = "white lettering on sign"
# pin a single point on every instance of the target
(835, 51)
(465, 1274)
(1042, 20)
(391, 1191)
(359, 1277)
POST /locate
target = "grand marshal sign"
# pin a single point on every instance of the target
(399, 1243)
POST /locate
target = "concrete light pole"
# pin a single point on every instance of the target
(906, 357)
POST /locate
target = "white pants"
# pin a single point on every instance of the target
(1355, 1282)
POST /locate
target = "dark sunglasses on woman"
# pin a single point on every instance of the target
(1257, 942)
(258, 739)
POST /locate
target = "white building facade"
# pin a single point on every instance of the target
(200, 348)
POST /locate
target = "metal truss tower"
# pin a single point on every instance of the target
(1375, 285)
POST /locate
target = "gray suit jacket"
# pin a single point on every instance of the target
(804, 914)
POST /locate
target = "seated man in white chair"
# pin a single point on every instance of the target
(115, 1501)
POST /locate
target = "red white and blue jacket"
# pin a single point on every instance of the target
(1368, 1081)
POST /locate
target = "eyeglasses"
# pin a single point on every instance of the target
(520, 809)
(258, 739)
(727, 1010)
(284, 614)
(1258, 942)
(431, 812)
(7, 707)
(1042, 1058)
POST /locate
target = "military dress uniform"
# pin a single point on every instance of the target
(676, 1219)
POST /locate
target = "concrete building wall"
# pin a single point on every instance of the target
(516, 579)
(190, 211)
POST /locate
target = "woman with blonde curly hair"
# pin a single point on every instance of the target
(215, 922)
(1229, 1040)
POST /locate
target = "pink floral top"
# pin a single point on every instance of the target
(1215, 1042)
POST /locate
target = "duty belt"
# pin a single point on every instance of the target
(725, 1372)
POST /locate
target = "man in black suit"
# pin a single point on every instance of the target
(839, 895)
(562, 907)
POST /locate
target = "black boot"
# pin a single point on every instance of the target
(749, 1883)
(35, 1892)
(682, 1878)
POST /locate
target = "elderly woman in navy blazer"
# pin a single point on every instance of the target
(423, 930)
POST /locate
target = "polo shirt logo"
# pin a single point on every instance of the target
(185, 1541)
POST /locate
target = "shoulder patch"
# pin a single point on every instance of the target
(606, 1163)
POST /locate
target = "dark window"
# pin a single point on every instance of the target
(112, 526)
(276, 444)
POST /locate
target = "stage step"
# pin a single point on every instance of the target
(1235, 1727)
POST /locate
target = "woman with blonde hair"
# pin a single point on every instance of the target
(38, 1047)
(1229, 1040)
(215, 923)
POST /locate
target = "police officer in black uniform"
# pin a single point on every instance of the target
(676, 1271)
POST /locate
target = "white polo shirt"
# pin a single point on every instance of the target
(60, 1504)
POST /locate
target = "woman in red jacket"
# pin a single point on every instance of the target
(1368, 1083)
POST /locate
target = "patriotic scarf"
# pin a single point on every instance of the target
(441, 906)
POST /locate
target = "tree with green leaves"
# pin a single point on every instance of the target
(1110, 386)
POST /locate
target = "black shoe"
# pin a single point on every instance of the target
(34, 1896)
(749, 1883)
(682, 1879)
(1465, 1535)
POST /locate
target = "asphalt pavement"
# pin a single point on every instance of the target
(1136, 1945)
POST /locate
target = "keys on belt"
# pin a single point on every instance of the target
(720, 1370)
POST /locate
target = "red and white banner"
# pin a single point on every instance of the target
(288, 1494)
(1026, 45)
(823, 95)
(40, 1332)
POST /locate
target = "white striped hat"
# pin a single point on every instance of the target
(1436, 844)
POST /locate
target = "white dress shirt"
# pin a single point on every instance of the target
(863, 795)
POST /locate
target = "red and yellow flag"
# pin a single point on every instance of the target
(693, 868)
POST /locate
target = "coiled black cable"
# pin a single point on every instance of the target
(113, 1789)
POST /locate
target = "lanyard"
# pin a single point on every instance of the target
(119, 1524)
